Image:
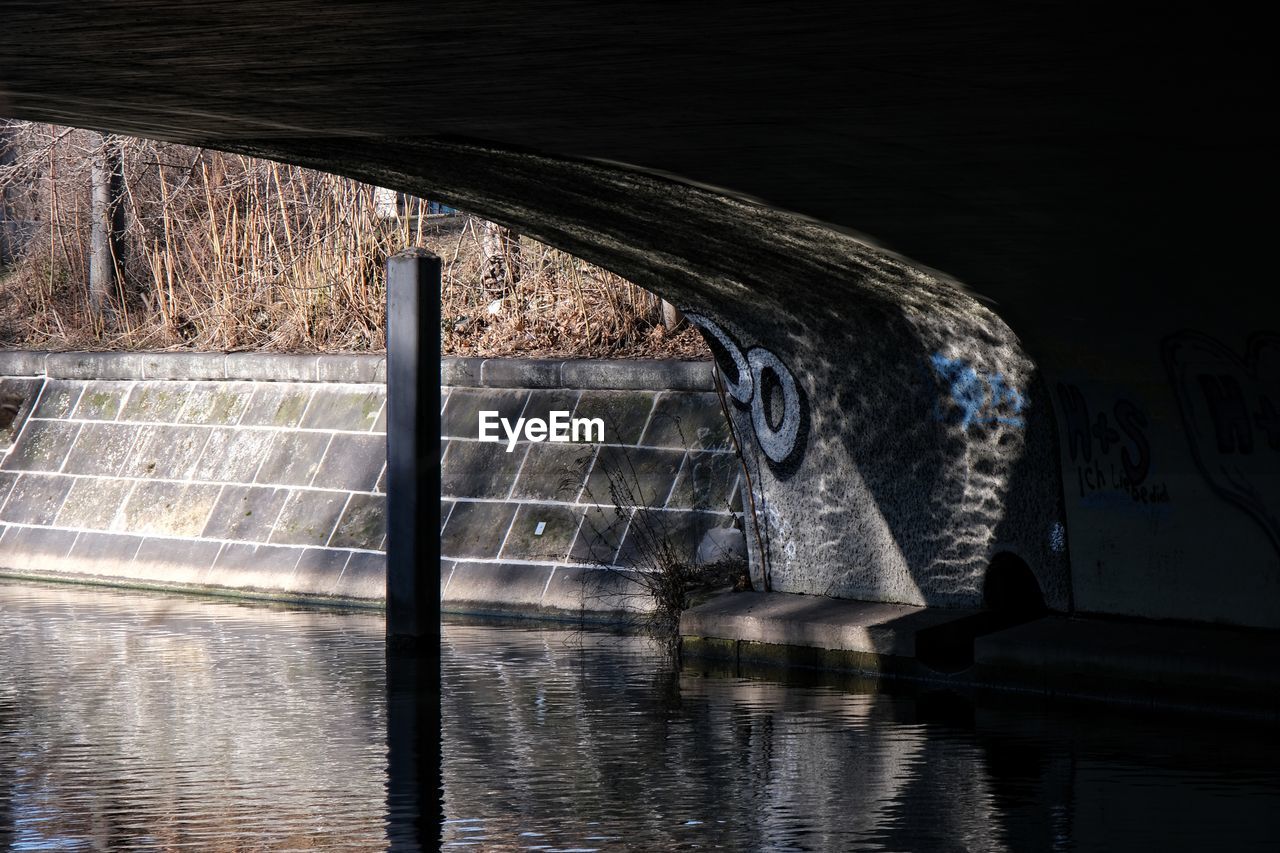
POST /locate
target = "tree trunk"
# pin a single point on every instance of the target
(106, 222)
(500, 266)
(671, 316)
(386, 203)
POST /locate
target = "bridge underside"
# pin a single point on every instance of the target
(939, 252)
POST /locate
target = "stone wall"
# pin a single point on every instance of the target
(264, 474)
(249, 472)
(562, 527)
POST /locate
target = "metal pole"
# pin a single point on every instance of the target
(413, 451)
(414, 782)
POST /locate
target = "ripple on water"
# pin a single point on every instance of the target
(145, 722)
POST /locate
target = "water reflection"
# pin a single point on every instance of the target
(144, 722)
(134, 721)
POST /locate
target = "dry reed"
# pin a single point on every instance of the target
(223, 252)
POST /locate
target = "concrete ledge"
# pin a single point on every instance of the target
(363, 368)
(810, 621)
(355, 368)
(578, 374)
(1144, 662)
(22, 363)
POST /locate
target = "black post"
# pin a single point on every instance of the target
(413, 449)
(414, 783)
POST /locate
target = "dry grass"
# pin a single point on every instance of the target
(222, 252)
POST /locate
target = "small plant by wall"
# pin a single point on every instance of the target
(666, 566)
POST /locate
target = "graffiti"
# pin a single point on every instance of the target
(1230, 409)
(1110, 451)
(759, 383)
(977, 398)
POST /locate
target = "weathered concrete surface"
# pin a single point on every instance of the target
(814, 621)
(269, 478)
(1111, 660)
(1075, 170)
(1147, 663)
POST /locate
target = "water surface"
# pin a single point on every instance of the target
(134, 721)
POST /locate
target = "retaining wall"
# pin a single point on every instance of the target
(264, 474)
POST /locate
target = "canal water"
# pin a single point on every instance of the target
(136, 721)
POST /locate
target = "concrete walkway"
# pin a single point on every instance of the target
(1197, 667)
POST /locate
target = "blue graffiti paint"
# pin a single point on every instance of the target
(980, 398)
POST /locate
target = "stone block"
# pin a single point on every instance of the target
(352, 462)
(165, 452)
(58, 398)
(18, 397)
(381, 488)
(42, 446)
(476, 529)
(363, 523)
(102, 449)
(553, 472)
(474, 469)
(155, 402)
(541, 532)
(365, 577)
(656, 374)
(241, 565)
(22, 363)
(94, 365)
(35, 549)
(688, 420)
(520, 373)
(216, 403)
(271, 367)
(345, 408)
(293, 458)
(815, 621)
(102, 401)
(656, 537)
(108, 555)
(576, 589)
(707, 480)
(308, 517)
(446, 507)
(599, 536)
(624, 413)
(460, 371)
(8, 478)
(446, 572)
(168, 509)
(183, 365)
(461, 417)
(318, 571)
(177, 561)
(632, 476)
(349, 367)
(36, 499)
(245, 512)
(233, 454)
(277, 405)
(722, 543)
(93, 502)
(543, 402)
(497, 585)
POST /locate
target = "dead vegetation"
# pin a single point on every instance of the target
(223, 252)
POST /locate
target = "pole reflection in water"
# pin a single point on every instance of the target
(133, 721)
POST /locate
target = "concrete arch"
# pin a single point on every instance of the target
(1075, 170)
